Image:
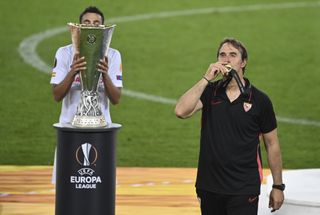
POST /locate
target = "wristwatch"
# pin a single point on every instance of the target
(279, 186)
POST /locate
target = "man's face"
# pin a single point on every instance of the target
(232, 56)
(91, 19)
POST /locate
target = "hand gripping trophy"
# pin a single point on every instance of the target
(93, 43)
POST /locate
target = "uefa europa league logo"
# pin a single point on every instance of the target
(86, 154)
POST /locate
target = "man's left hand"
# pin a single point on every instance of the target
(276, 199)
(103, 66)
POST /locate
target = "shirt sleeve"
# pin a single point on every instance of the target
(61, 66)
(115, 68)
(206, 95)
(268, 121)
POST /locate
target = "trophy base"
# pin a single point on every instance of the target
(89, 121)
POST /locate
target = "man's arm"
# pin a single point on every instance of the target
(275, 163)
(111, 91)
(189, 102)
(60, 90)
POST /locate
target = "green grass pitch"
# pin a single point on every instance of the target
(164, 56)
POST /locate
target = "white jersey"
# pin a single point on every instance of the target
(63, 61)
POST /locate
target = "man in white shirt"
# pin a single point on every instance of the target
(66, 79)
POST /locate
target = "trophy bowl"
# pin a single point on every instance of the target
(93, 43)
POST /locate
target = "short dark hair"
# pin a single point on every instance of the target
(238, 45)
(91, 9)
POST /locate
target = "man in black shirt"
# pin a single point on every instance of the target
(235, 115)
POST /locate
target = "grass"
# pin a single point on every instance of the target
(162, 57)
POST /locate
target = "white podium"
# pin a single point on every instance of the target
(302, 194)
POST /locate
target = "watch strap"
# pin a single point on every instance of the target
(279, 186)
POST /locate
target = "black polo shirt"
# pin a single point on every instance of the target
(229, 160)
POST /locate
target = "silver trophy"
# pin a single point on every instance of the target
(93, 43)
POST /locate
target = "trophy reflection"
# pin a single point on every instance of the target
(93, 43)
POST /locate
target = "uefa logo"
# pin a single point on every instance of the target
(86, 154)
(91, 39)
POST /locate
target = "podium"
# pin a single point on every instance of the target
(86, 170)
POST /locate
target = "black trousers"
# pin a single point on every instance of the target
(218, 204)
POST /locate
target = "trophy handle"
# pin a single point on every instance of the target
(75, 38)
(108, 32)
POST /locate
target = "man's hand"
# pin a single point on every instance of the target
(276, 199)
(111, 91)
(215, 69)
(77, 65)
(60, 90)
(103, 67)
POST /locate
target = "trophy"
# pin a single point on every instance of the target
(92, 42)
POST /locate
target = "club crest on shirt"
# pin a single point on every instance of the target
(247, 106)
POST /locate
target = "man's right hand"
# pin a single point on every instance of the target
(215, 69)
(77, 65)
(60, 90)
